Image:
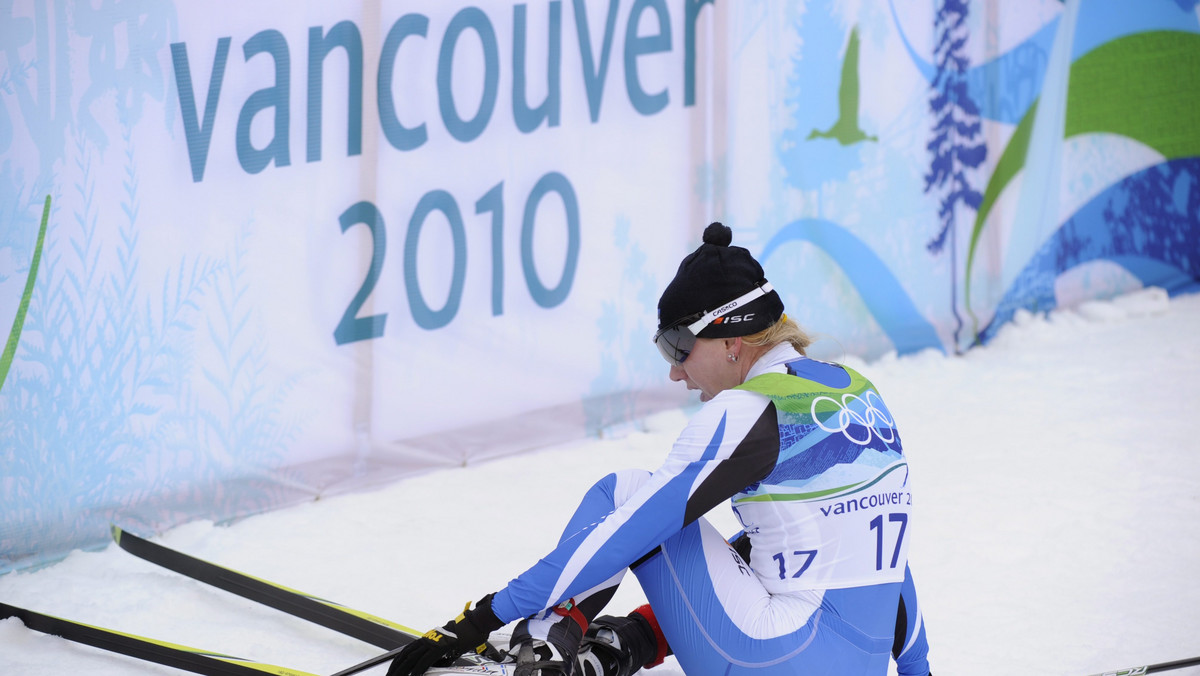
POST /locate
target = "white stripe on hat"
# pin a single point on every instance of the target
(757, 292)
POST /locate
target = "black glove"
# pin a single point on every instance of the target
(439, 647)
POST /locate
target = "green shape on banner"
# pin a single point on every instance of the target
(846, 130)
(1144, 86)
(14, 336)
(1011, 162)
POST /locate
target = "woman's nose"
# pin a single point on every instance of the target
(677, 373)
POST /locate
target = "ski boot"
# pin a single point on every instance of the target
(620, 646)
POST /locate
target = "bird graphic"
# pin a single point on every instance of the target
(846, 131)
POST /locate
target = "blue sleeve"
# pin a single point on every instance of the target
(721, 451)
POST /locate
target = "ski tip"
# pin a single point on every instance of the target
(118, 533)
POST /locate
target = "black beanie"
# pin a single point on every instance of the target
(712, 275)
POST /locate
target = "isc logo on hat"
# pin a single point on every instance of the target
(733, 319)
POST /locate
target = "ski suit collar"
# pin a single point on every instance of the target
(773, 361)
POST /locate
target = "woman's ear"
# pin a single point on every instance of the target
(733, 345)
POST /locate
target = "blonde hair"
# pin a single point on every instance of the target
(783, 331)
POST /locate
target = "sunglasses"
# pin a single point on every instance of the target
(676, 340)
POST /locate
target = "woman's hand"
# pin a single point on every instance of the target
(440, 647)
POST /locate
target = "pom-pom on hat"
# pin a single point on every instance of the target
(712, 276)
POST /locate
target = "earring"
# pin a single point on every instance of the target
(733, 357)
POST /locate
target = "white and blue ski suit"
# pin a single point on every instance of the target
(811, 461)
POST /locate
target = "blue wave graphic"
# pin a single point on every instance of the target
(835, 450)
(1145, 223)
(1007, 85)
(882, 293)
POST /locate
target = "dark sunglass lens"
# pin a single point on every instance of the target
(669, 353)
(675, 344)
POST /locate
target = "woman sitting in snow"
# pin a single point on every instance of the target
(817, 582)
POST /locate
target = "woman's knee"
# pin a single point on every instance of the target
(617, 488)
(603, 497)
(626, 483)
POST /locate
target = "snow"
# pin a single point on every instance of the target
(1056, 528)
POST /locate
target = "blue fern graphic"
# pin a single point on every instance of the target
(93, 360)
(132, 75)
(954, 146)
(61, 429)
(101, 418)
(19, 71)
(246, 429)
(20, 208)
(628, 360)
(46, 107)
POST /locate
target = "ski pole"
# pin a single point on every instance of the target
(1153, 668)
(391, 654)
(367, 664)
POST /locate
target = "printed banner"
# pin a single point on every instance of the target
(254, 254)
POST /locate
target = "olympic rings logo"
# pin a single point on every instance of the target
(873, 412)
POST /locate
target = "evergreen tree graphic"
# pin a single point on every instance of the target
(955, 146)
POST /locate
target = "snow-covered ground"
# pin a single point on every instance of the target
(1057, 528)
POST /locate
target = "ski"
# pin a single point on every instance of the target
(195, 660)
(152, 650)
(355, 623)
